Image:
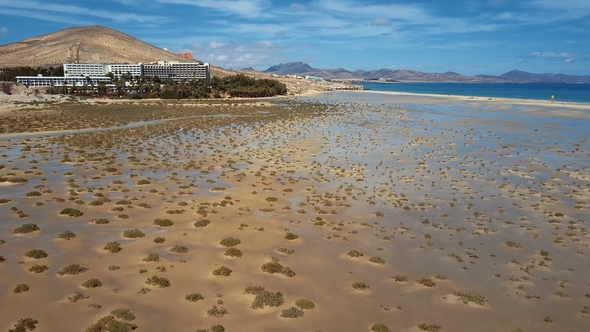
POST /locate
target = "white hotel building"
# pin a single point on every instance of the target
(80, 74)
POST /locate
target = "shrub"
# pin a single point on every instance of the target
(36, 254)
(26, 228)
(71, 212)
(355, 253)
(202, 222)
(266, 298)
(2, 259)
(429, 327)
(233, 252)
(123, 313)
(272, 267)
(359, 285)
(400, 278)
(24, 324)
(133, 233)
(113, 247)
(72, 269)
(179, 249)
(286, 251)
(470, 297)
(512, 244)
(222, 271)
(158, 281)
(159, 239)
(426, 281)
(271, 199)
(143, 182)
(113, 267)
(101, 221)
(194, 297)
(66, 235)
(217, 312)
(377, 260)
(217, 328)
(292, 312)
(291, 236)
(5, 200)
(152, 257)
(33, 194)
(77, 297)
(21, 288)
(38, 268)
(123, 216)
(109, 323)
(253, 289)
(92, 283)
(163, 222)
(380, 328)
(230, 242)
(305, 304)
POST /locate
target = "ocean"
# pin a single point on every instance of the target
(577, 93)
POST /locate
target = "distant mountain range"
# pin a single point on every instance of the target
(514, 76)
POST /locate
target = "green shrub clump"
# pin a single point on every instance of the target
(163, 222)
(292, 312)
(152, 257)
(274, 266)
(217, 312)
(72, 269)
(377, 260)
(33, 194)
(202, 222)
(267, 298)
(222, 271)
(355, 253)
(71, 212)
(291, 236)
(110, 323)
(38, 268)
(429, 327)
(159, 239)
(233, 252)
(92, 283)
(24, 325)
(123, 313)
(36, 254)
(66, 235)
(26, 228)
(133, 233)
(359, 285)
(305, 304)
(21, 288)
(380, 328)
(194, 297)
(179, 249)
(158, 281)
(230, 242)
(113, 247)
(426, 281)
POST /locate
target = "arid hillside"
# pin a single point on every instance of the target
(94, 44)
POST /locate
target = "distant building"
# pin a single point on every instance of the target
(38, 81)
(80, 74)
(176, 70)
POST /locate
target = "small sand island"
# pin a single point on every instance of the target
(340, 211)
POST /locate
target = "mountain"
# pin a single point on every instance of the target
(515, 76)
(93, 44)
(518, 76)
(290, 68)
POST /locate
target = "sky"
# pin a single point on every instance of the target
(469, 37)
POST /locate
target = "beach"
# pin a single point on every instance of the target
(413, 211)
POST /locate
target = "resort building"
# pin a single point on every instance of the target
(80, 74)
(38, 81)
(176, 70)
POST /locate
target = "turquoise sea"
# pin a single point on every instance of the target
(577, 93)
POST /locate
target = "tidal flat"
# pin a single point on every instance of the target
(348, 211)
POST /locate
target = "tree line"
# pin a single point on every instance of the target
(10, 74)
(238, 85)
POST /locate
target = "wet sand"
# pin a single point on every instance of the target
(469, 214)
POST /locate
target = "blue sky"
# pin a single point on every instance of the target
(469, 37)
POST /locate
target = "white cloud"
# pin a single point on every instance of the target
(281, 33)
(236, 55)
(47, 11)
(245, 8)
(297, 7)
(569, 60)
